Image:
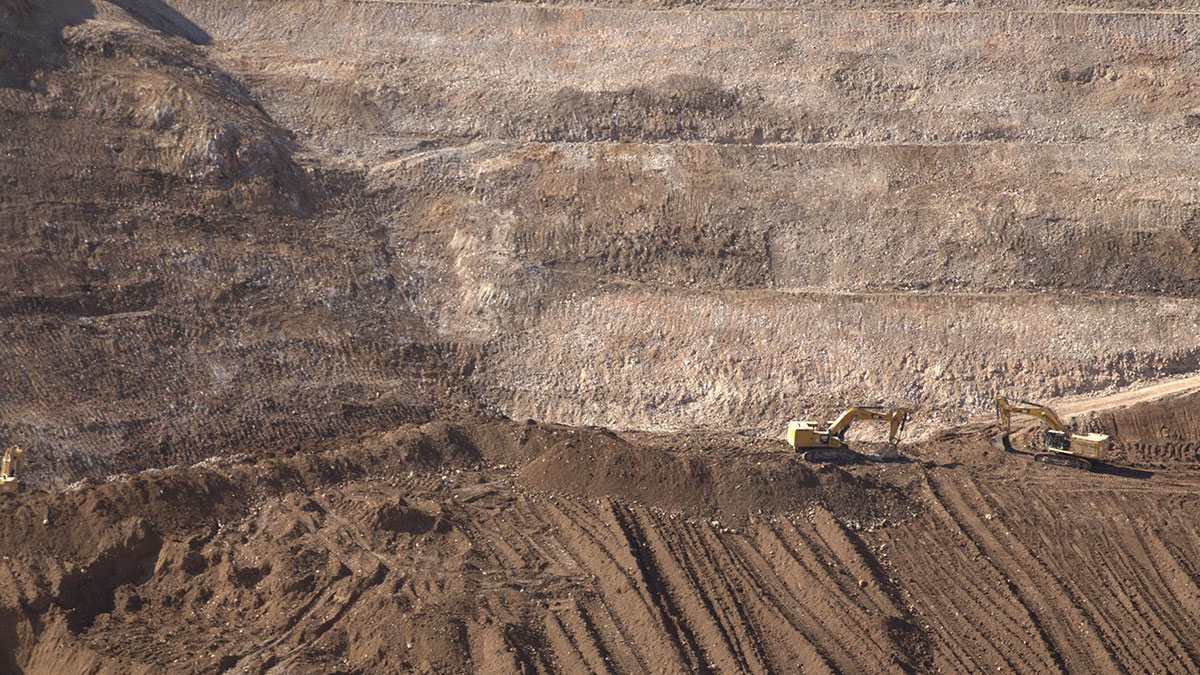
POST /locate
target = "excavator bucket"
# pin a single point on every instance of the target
(9, 466)
(1003, 442)
(888, 453)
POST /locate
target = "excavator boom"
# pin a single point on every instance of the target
(896, 416)
(1005, 409)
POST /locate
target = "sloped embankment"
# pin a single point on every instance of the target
(497, 547)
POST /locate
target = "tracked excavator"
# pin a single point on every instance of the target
(9, 466)
(1061, 446)
(827, 442)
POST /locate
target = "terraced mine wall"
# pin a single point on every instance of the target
(671, 218)
(276, 270)
(611, 214)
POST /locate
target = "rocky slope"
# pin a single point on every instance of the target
(280, 273)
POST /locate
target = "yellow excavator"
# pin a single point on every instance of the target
(9, 466)
(1061, 446)
(827, 442)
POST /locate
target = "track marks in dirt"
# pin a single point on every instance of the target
(1051, 575)
(969, 605)
(839, 613)
(1055, 610)
(616, 614)
(633, 589)
(1034, 569)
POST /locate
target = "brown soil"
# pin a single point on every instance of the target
(282, 277)
(503, 546)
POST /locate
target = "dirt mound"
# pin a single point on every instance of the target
(151, 93)
(374, 556)
(729, 476)
(457, 548)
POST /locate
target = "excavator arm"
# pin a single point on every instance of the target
(896, 416)
(1005, 410)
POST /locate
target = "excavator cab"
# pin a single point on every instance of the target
(1057, 441)
(9, 466)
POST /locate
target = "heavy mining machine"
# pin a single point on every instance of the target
(1061, 446)
(9, 466)
(827, 442)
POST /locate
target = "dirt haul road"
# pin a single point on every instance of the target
(1158, 390)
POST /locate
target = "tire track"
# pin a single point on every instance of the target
(779, 599)
(938, 589)
(1042, 518)
(568, 652)
(811, 575)
(615, 582)
(849, 613)
(588, 631)
(1163, 610)
(1101, 562)
(1183, 589)
(1048, 653)
(680, 633)
(622, 649)
(710, 577)
(1052, 607)
(1121, 617)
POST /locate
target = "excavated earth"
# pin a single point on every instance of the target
(352, 336)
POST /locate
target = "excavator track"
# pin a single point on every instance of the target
(1058, 459)
(831, 456)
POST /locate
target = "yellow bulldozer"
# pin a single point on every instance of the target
(827, 442)
(9, 466)
(1061, 446)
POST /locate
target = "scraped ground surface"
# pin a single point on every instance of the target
(512, 547)
(308, 308)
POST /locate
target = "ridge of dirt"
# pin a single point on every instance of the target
(493, 546)
(259, 536)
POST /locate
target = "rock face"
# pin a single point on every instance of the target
(235, 226)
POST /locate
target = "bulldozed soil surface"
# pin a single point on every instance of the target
(522, 547)
(355, 336)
